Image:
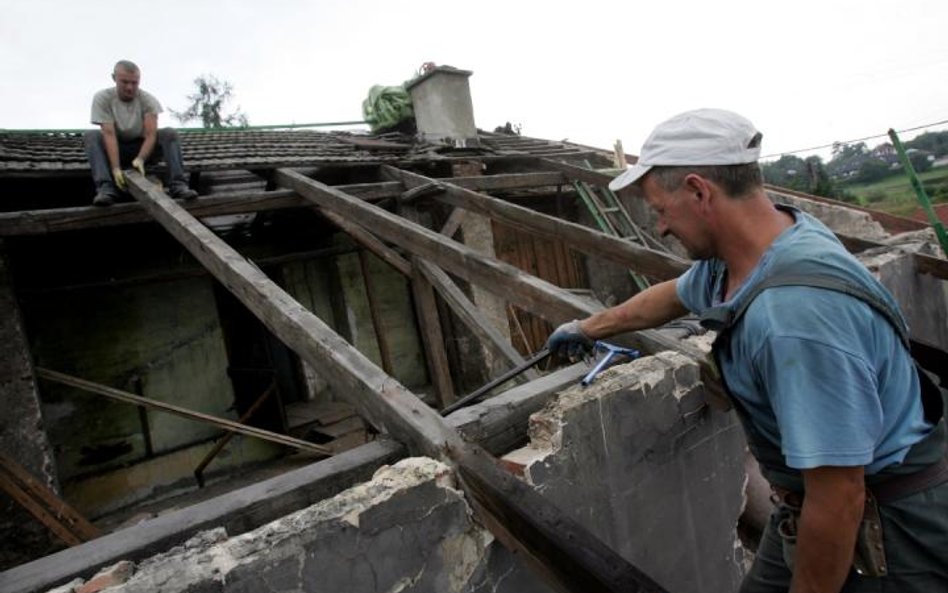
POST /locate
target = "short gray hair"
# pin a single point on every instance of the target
(126, 66)
(736, 180)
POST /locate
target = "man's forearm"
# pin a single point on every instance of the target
(148, 145)
(826, 538)
(652, 307)
(111, 148)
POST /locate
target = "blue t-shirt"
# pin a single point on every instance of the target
(823, 376)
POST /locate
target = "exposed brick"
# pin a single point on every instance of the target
(116, 574)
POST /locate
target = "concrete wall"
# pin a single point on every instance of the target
(637, 457)
(922, 298)
(165, 335)
(22, 437)
(640, 459)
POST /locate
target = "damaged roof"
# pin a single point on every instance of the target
(42, 152)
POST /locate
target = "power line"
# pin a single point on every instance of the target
(830, 145)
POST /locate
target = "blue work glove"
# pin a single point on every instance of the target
(568, 341)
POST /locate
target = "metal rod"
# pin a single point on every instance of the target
(131, 398)
(219, 446)
(920, 192)
(538, 357)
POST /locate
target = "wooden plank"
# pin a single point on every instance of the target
(50, 510)
(510, 181)
(925, 264)
(928, 264)
(228, 425)
(640, 259)
(375, 311)
(498, 423)
(453, 223)
(429, 325)
(563, 551)
(470, 315)
(382, 401)
(432, 336)
(238, 511)
(36, 222)
(530, 293)
(369, 241)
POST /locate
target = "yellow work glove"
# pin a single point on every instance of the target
(119, 178)
(139, 165)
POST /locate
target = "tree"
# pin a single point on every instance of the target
(934, 142)
(207, 105)
(808, 175)
(872, 170)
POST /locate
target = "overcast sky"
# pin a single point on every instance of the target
(806, 72)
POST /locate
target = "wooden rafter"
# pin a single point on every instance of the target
(563, 552)
(640, 259)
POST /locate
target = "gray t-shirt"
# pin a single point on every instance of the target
(128, 117)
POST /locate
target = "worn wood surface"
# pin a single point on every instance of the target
(470, 315)
(640, 259)
(50, 510)
(382, 400)
(528, 292)
(563, 552)
(499, 424)
(369, 241)
(429, 326)
(228, 425)
(37, 222)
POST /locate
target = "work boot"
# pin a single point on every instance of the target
(103, 198)
(180, 191)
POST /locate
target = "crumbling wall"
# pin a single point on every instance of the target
(637, 457)
(842, 220)
(922, 298)
(641, 460)
(22, 433)
(407, 529)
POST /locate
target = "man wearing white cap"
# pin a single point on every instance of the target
(813, 352)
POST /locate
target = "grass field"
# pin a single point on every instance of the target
(895, 195)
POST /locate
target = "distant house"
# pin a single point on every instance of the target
(885, 152)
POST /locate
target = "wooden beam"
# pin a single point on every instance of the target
(505, 181)
(499, 424)
(453, 223)
(640, 259)
(470, 315)
(562, 551)
(925, 264)
(381, 400)
(432, 336)
(38, 222)
(369, 241)
(228, 425)
(41, 502)
(576, 173)
(928, 264)
(530, 293)
(429, 325)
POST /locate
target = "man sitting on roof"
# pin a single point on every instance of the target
(128, 120)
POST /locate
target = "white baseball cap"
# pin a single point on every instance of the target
(700, 137)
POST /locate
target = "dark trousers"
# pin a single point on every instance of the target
(915, 532)
(167, 146)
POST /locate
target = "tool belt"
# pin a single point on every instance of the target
(869, 558)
